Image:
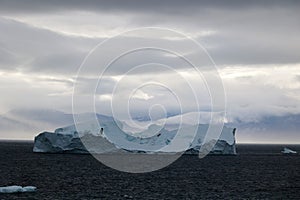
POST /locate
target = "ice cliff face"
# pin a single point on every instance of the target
(110, 137)
(48, 142)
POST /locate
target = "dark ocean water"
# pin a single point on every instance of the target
(257, 172)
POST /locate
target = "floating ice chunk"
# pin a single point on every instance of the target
(288, 151)
(16, 188)
(11, 189)
(29, 189)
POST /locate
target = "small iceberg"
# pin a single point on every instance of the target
(288, 151)
(16, 189)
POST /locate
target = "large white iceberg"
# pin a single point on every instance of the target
(110, 137)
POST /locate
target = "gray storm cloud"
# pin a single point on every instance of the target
(254, 43)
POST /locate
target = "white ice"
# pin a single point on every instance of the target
(288, 151)
(16, 188)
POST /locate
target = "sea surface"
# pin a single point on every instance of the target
(257, 172)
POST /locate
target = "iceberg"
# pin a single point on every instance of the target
(109, 137)
(16, 189)
(288, 151)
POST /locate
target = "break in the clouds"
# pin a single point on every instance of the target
(255, 45)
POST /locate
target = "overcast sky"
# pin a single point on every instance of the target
(255, 45)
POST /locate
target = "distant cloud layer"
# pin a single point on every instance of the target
(255, 45)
